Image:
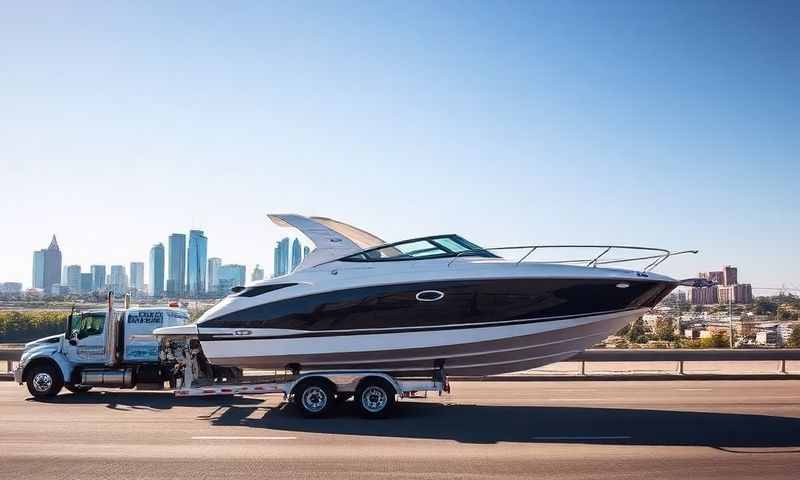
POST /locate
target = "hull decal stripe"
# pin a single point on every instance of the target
(217, 337)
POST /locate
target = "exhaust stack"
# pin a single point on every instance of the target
(111, 333)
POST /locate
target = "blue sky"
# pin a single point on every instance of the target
(669, 124)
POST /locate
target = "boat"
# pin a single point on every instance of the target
(418, 306)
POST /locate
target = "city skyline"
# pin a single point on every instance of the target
(648, 123)
(200, 271)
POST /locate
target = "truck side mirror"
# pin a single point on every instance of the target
(73, 342)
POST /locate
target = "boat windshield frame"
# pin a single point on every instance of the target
(436, 244)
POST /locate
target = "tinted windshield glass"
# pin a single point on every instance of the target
(430, 247)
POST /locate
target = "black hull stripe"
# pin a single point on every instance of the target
(222, 337)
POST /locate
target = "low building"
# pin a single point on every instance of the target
(11, 288)
(767, 334)
(784, 331)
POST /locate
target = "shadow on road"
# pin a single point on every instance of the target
(138, 400)
(534, 424)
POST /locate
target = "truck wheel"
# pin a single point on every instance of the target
(77, 388)
(314, 397)
(375, 398)
(44, 380)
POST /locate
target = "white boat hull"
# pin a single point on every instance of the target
(461, 350)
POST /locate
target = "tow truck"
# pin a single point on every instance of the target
(116, 348)
(100, 348)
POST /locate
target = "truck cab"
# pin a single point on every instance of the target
(103, 347)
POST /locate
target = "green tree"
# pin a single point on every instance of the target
(636, 331)
(665, 329)
(717, 340)
(794, 337)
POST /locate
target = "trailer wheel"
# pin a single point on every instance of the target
(44, 380)
(375, 398)
(315, 397)
(77, 388)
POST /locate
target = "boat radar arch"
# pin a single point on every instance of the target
(332, 239)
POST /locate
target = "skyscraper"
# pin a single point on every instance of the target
(176, 279)
(198, 259)
(86, 282)
(98, 277)
(52, 266)
(729, 275)
(157, 270)
(231, 276)
(38, 269)
(258, 274)
(213, 274)
(137, 276)
(281, 260)
(74, 278)
(297, 253)
(119, 279)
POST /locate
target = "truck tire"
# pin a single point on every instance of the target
(314, 397)
(77, 388)
(44, 380)
(375, 397)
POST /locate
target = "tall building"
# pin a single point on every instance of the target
(86, 282)
(741, 293)
(197, 261)
(119, 279)
(297, 253)
(281, 258)
(38, 269)
(703, 295)
(137, 276)
(156, 284)
(176, 278)
(98, 277)
(212, 281)
(258, 274)
(74, 278)
(714, 277)
(306, 251)
(231, 276)
(52, 266)
(729, 275)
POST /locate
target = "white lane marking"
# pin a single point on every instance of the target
(694, 389)
(585, 399)
(241, 438)
(592, 437)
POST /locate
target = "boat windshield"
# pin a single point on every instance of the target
(439, 246)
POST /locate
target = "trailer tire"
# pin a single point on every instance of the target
(44, 380)
(315, 397)
(77, 388)
(375, 397)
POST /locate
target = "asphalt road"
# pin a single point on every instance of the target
(561, 430)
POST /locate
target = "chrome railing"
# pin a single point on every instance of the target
(656, 259)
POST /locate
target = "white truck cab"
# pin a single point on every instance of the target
(108, 348)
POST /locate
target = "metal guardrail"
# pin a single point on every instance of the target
(781, 355)
(10, 356)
